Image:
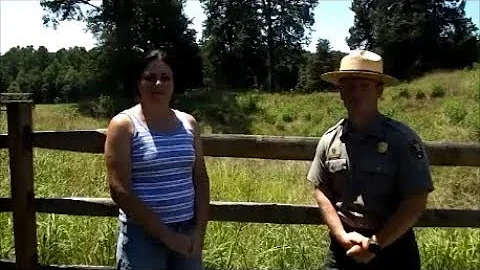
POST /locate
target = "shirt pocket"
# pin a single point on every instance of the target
(338, 170)
(377, 177)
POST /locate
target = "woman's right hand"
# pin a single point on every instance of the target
(180, 243)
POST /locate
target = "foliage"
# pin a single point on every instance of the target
(324, 60)
(63, 75)
(455, 111)
(420, 95)
(104, 106)
(226, 112)
(253, 43)
(64, 239)
(403, 92)
(14, 88)
(121, 25)
(437, 90)
(415, 36)
(246, 44)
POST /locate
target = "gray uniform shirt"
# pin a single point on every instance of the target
(366, 175)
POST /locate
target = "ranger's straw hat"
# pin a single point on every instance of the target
(363, 64)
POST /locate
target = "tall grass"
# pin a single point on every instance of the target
(80, 240)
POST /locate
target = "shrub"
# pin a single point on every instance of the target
(476, 88)
(438, 91)
(420, 95)
(307, 116)
(280, 126)
(403, 92)
(287, 117)
(103, 106)
(472, 121)
(455, 111)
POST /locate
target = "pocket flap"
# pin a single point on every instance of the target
(336, 165)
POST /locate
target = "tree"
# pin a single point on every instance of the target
(284, 22)
(457, 35)
(121, 25)
(43, 73)
(5, 79)
(232, 43)
(50, 75)
(413, 36)
(478, 48)
(265, 36)
(44, 58)
(14, 88)
(324, 60)
(362, 32)
(71, 84)
(11, 63)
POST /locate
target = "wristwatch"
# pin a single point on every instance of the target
(373, 246)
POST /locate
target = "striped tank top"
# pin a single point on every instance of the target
(162, 166)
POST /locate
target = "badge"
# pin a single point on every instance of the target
(382, 147)
(334, 153)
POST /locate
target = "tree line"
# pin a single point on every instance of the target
(245, 44)
(62, 76)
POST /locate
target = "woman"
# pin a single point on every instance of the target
(157, 176)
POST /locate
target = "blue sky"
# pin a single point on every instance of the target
(21, 25)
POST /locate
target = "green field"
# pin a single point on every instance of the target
(441, 107)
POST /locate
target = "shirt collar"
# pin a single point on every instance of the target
(375, 128)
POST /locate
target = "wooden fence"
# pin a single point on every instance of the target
(20, 140)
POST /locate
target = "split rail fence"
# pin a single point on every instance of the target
(20, 139)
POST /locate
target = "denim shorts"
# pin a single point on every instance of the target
(137, 250)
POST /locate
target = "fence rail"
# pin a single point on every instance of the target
(275, 213)
(248, 146)
(10, 265)
(20, 141)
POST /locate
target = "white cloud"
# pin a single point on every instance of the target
(21, 25)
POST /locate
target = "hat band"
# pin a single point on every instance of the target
(362, 70)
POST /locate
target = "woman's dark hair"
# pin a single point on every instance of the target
(141, 61)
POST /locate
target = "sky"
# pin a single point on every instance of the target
(21, 24)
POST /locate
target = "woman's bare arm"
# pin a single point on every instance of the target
(202, 184)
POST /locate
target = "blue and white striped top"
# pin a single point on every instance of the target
(162, 166)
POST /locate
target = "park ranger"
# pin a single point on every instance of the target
(370, 173)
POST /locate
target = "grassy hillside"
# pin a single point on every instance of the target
(440, 106)
(443, 106)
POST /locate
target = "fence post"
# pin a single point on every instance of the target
(19, 115)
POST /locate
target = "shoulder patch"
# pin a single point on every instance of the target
(408, 136)
(416, 148)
